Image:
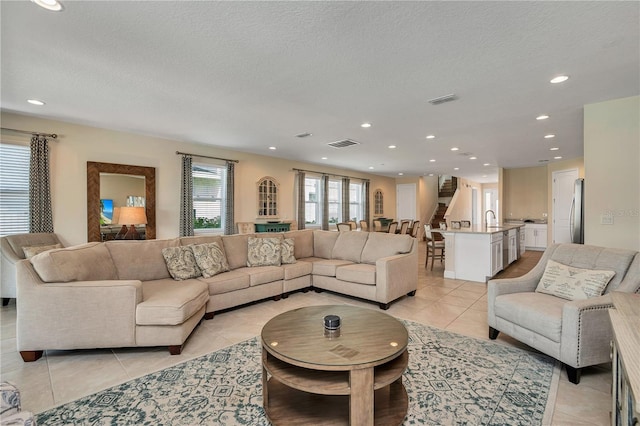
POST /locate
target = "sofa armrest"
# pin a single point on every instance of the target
(80, 314)
(586, 331)
(396, 276)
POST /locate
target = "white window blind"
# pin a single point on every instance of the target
(208, 196)
(14, 189)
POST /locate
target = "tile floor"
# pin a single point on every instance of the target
(458, 306)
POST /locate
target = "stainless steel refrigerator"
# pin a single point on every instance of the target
(577, 213)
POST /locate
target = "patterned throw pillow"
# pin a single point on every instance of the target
(573, 283)
(287, 248)
(210, 259)
(264, 252)
(31, 251)
(181, 263)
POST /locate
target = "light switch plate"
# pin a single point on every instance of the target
(606, 219)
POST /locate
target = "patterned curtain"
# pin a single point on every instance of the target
(345, 200)
(301, 201)
(229, 222)
(325, 202)
(365, 197)
(40, 213)
(186, 198)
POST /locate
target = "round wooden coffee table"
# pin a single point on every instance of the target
(351, 377)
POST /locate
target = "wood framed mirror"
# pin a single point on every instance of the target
(94, 171)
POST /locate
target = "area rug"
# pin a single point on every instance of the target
(451, 380)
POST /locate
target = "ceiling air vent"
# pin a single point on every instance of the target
(443, 99)
(343, 143)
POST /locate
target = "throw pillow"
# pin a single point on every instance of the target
(264, 252)
(287, 248)
(31, 251)
(181, 263)
(573, 283)
(210, 259)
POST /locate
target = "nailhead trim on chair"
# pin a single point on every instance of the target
(591, 308)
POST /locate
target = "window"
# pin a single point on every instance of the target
(312, 209)
(356, 201)
(14, 189)
(209, 189)
(335, 201)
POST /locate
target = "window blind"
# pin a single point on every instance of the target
(14, 189)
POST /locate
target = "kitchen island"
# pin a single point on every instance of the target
(480, 252)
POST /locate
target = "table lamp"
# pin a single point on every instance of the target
(130, 216)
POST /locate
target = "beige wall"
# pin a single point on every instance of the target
(611, 171)
(428, 199)
(525, 193)
(78, 144)
(461, 207)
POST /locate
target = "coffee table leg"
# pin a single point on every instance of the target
(265, 388)
(361, 399)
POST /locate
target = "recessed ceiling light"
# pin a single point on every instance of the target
(484, 175)
(430, 174)
(272, 147)
(559, 79)
(542, 117)
(365, 125)
(432, 160)
(557, 158)
(485, 164)
(392, 147)
(324, 158)
(400, 174)
(431, 136)
(454, 149)
(370, 167)
(35, 102)
(549, 136)
(554, 149)
(53, 5)
(456, 168)
(473, 158)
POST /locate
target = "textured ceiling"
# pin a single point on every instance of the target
(249, 75)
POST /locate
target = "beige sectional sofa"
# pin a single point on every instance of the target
(121, 294)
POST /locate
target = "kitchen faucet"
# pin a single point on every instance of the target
(486, 221)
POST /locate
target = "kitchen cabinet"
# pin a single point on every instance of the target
(496, 253)
(535, 236)
(513, 246)
(521, 236)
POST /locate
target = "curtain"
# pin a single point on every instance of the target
(229, 223)
(365, 197)
(325, 202)
(186, 198)
(40, 213)
(301, 217)
(345, 200)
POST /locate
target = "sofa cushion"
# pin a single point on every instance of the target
(85, 262)
(229, 281)
(181, 263)
(573, 283)
(303, 242)
(287, 251)
(31, 251)
(263, 274)
(323, 242)
(264, 251)
(296, 270)
(202, 239)
(235, 247)
(381, 244)
(327, 267)
(349, 246)
(166, 302)
(360, 273)
(210, 258)
(140, 260)
(540, 313)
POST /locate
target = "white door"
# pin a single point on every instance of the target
(406, 201)
(562, 190)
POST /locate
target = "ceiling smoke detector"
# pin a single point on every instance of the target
(442, 99)
(343, 143)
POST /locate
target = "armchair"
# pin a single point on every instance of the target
(578, 332)
(12, 248)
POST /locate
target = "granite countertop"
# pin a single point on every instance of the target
(527, 221)
(481, 229)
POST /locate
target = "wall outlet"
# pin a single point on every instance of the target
(606, 219)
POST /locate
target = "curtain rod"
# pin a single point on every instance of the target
(207, 156)
(330, 174)
(25, 132)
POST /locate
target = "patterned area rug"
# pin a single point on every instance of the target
(451, 379)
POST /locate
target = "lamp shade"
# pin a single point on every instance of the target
(132, 216)
(116, 216)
